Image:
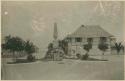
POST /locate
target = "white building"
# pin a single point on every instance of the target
(85, 34)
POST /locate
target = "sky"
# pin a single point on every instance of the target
(34, 20)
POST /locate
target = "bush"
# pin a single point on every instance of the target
(78, 56)
(31, 58)
(85, 57)
(103, 47)
(87, 47)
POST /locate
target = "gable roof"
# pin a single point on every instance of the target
(90, 31)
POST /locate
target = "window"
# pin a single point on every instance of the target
(90, 40)
(103, 39)
(78, 39)
(69, 39)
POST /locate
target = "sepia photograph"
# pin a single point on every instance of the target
(62, 40)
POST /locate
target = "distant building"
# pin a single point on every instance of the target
(90, 33)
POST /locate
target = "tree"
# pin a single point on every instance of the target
(14, 44)
(103, 47)
(50, 46)
(64, 45)
(87, 47)
(118, 47)
(7, 38)
(30, 48)
(3, 46)
(78, 55)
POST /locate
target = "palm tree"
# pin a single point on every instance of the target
(118, 46)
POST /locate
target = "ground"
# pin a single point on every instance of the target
(68, 69)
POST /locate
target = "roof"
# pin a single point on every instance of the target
(90, 31)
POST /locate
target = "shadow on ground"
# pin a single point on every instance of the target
(18, 61)
(89, 59)
(94, 59)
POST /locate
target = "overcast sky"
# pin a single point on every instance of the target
(35, 20)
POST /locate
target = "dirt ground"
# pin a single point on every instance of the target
(68, 69)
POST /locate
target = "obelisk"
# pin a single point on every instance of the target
(55, 36)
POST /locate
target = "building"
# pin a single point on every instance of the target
(89, 33)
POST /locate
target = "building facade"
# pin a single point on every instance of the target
(89, 34)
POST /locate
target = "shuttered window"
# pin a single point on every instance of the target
(78, 39)
(89, 40)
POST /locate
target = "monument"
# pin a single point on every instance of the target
(55, 53)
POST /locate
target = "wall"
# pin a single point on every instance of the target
(77, 47)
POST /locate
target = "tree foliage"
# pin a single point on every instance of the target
(87, 47)
(64, 45)
(103, 47)
(30, 47)
(118, 46)
(13, 44)
(50, 46)
(16, 44)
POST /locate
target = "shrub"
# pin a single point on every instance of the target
(31, 58)
(103, 47)
(87, 47)
(78, 56)
(85, 57)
